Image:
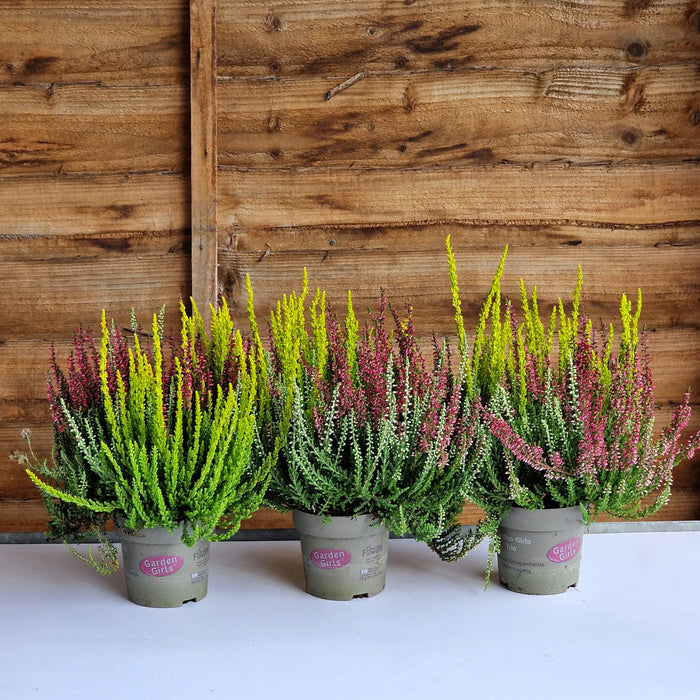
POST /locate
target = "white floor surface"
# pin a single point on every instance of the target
(631, 629)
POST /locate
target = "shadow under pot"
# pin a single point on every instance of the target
(345, 557)
(540, 552)
(161, 571)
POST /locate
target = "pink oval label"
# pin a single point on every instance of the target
(161, 566)
(330, 558)
(564, 551)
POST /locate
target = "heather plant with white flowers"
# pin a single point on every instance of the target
(370, 427)
(154, 438)
(571, 427)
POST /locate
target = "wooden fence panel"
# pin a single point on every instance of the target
(347, 137)
(353, 137)
(544, 195)
(93, 128)
(94, 193)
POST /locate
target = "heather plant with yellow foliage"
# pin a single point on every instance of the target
(368, 425)
(152, 437)
(571, 422)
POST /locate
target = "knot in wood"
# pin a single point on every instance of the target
(636, 49)
(631, 137)
(694, 20)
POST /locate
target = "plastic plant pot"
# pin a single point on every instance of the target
(345, 557)
(161, 570)
(540, 552)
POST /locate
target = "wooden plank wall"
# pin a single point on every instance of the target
(353, 136)
(94, 192)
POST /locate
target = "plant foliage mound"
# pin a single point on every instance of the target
(370, 425)
(151, 436)
(569, 411)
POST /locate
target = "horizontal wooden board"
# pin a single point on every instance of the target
(52, 295)
(61, 41)
(316, 241)
(79, 204)
(682, 506)
(336, 37)
(93, 128)
(28, 515)
(22, 515)
(586, 113)
(542, 194)
(63, 246)
(666, 275)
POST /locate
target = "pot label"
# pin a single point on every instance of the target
(330, 558)
(564, 551)
(161, 566)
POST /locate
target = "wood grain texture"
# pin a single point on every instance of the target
(593, 113)
(340, 38)
(51, 296)
(61, 41)
(543, 194)
(88, 204)
(411, 264)
(203, 152)
(568, 130)
(92, 128)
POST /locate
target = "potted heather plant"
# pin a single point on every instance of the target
(159, 442)
(376, 439)
(570, 434)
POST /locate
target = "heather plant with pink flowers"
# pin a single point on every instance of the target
(573, 427)
(74, 397)
(151, 437)
(371, 426)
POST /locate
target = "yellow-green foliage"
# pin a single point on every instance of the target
(178, 438)
(482, 371)
(319, 332)
(630, 329)
(288, 327)
(568, 325)
(351, 334)
(189, 469)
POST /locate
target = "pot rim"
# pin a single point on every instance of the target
(338, 526)
(544, 519)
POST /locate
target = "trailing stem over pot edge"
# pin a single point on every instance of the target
(370, 427)
(156, 440)
(571, 428)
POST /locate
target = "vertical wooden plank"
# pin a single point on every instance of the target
(203, 152)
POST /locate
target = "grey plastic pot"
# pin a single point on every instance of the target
(161, 570)
(344, 558)
(540, 550)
